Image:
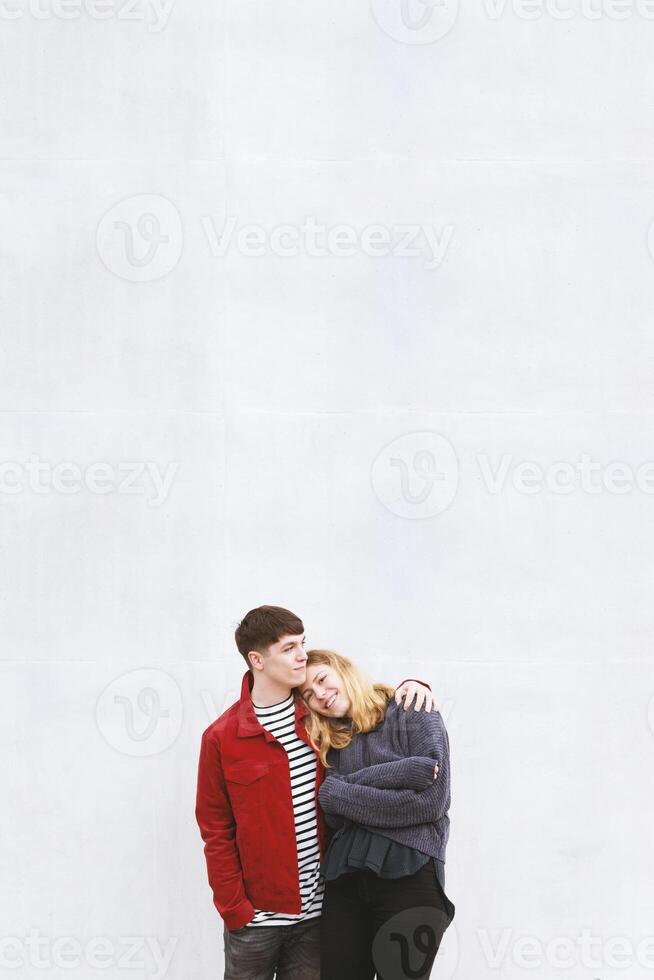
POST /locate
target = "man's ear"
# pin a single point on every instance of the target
(255, 659)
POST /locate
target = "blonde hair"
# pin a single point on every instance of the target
(368, 703)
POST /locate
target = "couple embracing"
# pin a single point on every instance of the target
(322, 802)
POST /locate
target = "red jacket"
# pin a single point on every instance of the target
(245, 813)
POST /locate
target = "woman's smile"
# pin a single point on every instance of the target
(326, 691)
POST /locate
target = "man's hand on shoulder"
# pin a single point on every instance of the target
(412, 690)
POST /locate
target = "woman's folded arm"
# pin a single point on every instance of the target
(372, 807)
(414, 772)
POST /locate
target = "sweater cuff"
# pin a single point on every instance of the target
(239, 916)
(422, 772)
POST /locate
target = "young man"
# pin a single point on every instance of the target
(257, 807)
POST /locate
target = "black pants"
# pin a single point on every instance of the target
(393, 926)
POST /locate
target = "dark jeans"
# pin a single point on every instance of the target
(390, 925)
(263, 952)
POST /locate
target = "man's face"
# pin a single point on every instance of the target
(286, 661)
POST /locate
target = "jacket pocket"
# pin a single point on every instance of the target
(245, 773)
(246, 786)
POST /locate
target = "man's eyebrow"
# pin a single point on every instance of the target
(287, 646)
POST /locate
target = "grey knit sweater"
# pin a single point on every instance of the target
(384, 780)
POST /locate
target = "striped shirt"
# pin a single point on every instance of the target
(279, 720)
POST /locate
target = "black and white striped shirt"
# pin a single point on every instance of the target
(279, 720)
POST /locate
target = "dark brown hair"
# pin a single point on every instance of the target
(263, 626)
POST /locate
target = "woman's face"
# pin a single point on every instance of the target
(324, 691)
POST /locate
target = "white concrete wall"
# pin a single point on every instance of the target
(342, 429)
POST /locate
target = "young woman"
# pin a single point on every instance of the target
(385, 795)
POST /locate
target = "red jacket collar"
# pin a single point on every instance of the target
(248, 724)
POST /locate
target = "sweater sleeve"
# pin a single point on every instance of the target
(414, 772)
(374, 807)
